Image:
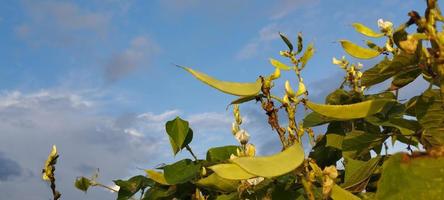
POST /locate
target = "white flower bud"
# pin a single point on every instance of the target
(385, 26)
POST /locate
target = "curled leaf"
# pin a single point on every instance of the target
(48, 170)
(358, 51)
(274, 165)
(364, 30)
(351, 111)
(157, 177)
(234, 88)
(231, 172)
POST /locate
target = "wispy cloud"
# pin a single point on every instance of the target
(57, 23)
(264, 37)
(139, 53)
(286, 7)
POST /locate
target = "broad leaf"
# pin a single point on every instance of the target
(358, 143)
(374, 75)
(337, 193)
(179, 133)
(325, 155)
(158, 193)
(231, 172)
(404, 177)
(351, 111)
(315, 119)
(274, 165)
(279, 64)
(218, 183)
(430, 114)
(234, 88)
(131, 186)
(223, 153)
(358, 51)
(181, 171)
(339, 97)
(360, 28)
(334, 140)
(357, 173)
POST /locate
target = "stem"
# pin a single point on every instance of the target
(191, 152)
(106, 187)
(307, 189)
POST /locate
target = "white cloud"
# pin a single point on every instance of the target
(286, 7)
(264, 37)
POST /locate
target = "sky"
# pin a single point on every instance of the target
(97, 78)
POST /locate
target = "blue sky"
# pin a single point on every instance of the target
(96, 77)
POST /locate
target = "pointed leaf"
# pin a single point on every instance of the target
(351, 111)
(364, 30)
(309, 52)
(179, 133)
(280, 65)
(131, 186)
(234, 88)
(374, 75)
(357, 172)
(300, 44)
(358, 51)
(274, 165)
(287, 41)
(358, 143)
(430, 114)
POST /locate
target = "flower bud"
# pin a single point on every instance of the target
(242, 136)
(301, 89)
(234, 128)
(385, 26)
(288, 90)
(276, 74)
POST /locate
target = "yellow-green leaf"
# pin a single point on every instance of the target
(358, 51)
(274, 165)
(280, 65)
(156, 176)
(364, 30)
(231, 172)
(214, 181)
(309, 52)
(48, 170)
(351, 111)
(337, 193)
(234, 88)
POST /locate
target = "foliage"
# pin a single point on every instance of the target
(347, 162)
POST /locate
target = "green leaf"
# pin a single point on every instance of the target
(357, 173)
(358, 51)
(325, 155)
(280, 65)
(358, 143)
(156, 193)
(430, 114)
(374, 75)
(287, 41)
(300, 44)
(274, 165)
(339, 97)
(309, 52)
(364, 30)
(244, 99)
(131, 186)
(231, 196)
(217, 154)
(337, 193)
(181, 171)
(218, 183)
(334, 140)
(231, 172)
(234, 88)
(405, 126)
(156, 177)
(82, 183)
(405, 78)
(401, 62)
(179, 133)
(351, 111)
(404, 177)
(315, 119)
